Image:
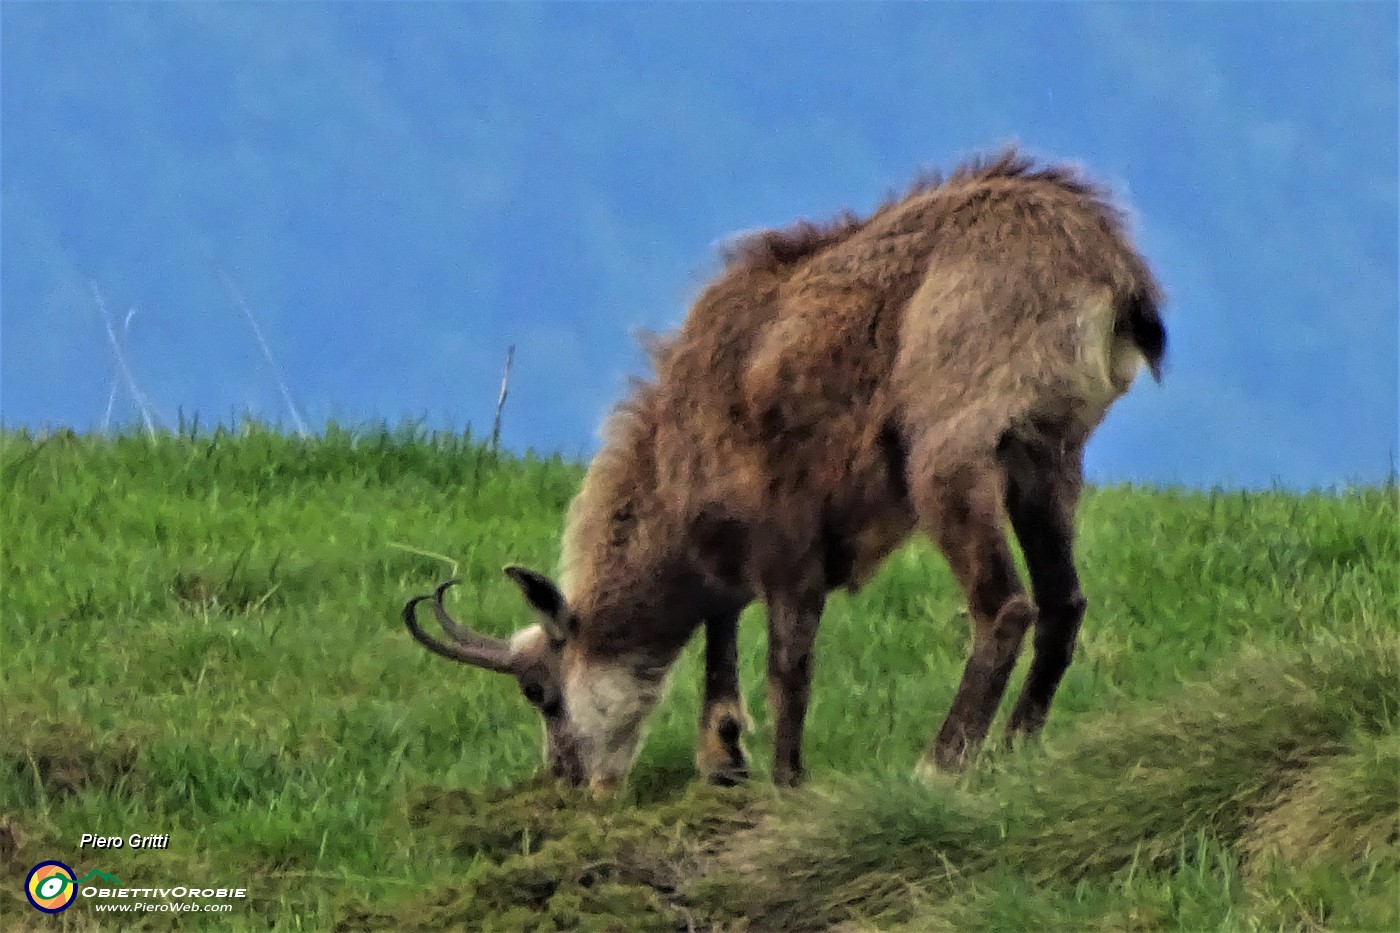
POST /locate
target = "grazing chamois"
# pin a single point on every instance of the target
(937, 365)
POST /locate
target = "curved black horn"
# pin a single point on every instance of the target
(468, 647)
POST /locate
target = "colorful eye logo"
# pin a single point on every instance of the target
(51, 887)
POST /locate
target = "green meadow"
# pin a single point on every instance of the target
(200, 637)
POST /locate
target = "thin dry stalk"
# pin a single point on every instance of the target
(501, 401)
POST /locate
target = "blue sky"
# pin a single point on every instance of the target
(401, 191)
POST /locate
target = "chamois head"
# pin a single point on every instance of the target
(593, 714)
(534, 656)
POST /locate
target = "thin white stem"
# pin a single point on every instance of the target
(277, 371)
(136, 394)
(116, 376)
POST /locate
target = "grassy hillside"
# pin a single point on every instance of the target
(200, 637)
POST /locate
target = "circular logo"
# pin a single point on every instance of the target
(51, 887)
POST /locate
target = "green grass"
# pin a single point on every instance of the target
(200, 637)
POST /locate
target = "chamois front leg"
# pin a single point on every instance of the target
(719, 754)
(792, 630)
(964, 511)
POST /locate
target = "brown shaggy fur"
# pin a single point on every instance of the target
(838, 384)
(938, 365)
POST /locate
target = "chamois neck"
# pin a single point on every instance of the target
(647, 612)
(626, 565)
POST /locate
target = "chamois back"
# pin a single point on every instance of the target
(782, 415)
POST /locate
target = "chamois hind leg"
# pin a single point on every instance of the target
(793, 617)
(1042, 501)
(719, 754)
(960, 500)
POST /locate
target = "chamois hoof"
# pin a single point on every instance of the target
(789, 777)
(730, 776)
(605, 788)
(721, 758)
(934, 767)
(927, 771)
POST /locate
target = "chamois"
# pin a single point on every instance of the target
(938, 365)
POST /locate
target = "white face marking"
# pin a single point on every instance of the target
(529, 637)
(607, 706)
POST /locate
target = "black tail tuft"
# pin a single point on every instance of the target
(1139, 321)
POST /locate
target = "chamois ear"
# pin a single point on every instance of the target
(544, 597)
